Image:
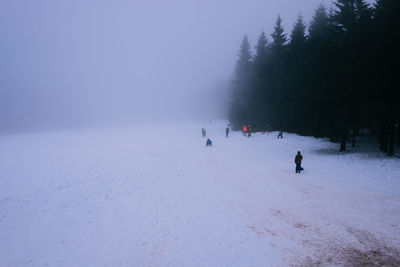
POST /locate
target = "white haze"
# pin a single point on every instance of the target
(85, 62)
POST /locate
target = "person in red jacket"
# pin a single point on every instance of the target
(298, 160)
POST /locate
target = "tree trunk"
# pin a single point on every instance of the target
(382, 138)
(391, 137)
(343, 139)
(353, 139)
(385, 138)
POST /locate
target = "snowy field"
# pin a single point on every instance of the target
(156, 196)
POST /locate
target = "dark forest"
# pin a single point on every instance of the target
(335, 78)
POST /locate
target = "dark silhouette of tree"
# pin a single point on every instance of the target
(276, 74)
(259, 82)
(386, 57)
(296, 71)
(278, 36)
(339, 79)
(238, 113)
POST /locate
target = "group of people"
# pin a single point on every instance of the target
(209, 142)
(247, 131)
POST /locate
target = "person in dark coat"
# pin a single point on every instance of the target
(297, 161)
(209, 142)
(249, 130)
(280, 134)
(227, 132)
(203, 132)
(268, 129)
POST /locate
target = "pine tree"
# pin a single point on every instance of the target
(275, 93)
(386, 58)
(259, 82)
(347, 85)
(340, 78)
(278, 36)
(298, 34)
(261, 49)
(244, 61)
(319, 25)
(320, 92)
(296, 70)
(241, 85)
(345, 15)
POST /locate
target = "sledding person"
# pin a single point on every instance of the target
(203, 132)
(298, 160)
(227, 132)
(280, 134)
(208, 142)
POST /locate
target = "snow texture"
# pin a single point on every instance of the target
(155, 195)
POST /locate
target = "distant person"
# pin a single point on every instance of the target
(268, 129)
(203, 132)
(227, 132)
(209, 142)
(297, 161)
(244, 130)
(280, 134)
(249, 130)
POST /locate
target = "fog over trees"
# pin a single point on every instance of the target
(331, 78)
(81, 63)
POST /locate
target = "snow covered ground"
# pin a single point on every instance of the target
(154, 195)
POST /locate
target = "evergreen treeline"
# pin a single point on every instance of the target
(330, 79)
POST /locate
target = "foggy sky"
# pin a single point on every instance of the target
(67, 61)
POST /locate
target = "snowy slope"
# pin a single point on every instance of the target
(156, 196)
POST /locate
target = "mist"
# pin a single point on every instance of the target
(95, 62)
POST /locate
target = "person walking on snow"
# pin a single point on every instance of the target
(227, 132)
(244, 130)
(280, 134)
(209, 142)
(298, 160)
(203, 132)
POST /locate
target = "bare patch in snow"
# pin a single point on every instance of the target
(368, 252)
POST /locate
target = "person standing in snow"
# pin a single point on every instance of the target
(297, 161)
(209, 142)
(249, 130)
(227, 132)
(280, 134)
(203, 132)
(268, 129)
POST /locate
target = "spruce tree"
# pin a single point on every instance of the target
(261, 49)
(386, 58)
(278, 36)
(238, 113)
(296, 70)
(318, 28)
(275, 93)
(259, 83)
(340, 78)
(298, 35)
